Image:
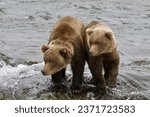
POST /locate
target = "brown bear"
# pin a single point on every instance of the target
(65, 46)
(102, 54)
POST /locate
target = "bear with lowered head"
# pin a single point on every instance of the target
(65, 47)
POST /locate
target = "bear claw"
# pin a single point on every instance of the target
(76, 91)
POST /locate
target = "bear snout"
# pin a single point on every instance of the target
(43, 72)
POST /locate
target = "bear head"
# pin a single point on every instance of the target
(55, 58)
(100, 42)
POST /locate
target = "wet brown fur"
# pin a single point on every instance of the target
(65, 47)
(107, 61)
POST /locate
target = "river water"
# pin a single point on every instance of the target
(26, 24)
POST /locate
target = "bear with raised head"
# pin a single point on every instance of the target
(65, 46)
(102, 54)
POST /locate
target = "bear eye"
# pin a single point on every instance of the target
(50, 61)
(53, 63)
(91, 42)
(96, 43)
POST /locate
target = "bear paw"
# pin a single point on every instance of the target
(111, 84)
(101, 90)
(75, 89)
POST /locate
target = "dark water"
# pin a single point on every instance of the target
(25, 26)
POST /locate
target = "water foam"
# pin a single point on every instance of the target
(11, 75)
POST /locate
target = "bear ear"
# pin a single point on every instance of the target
(63, 52)
(89, 31)
(108, 35)
(44, 48)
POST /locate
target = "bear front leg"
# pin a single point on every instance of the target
(113, 72)
(106, 71)
(59, 77)
(96, 67)
(77, 69)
